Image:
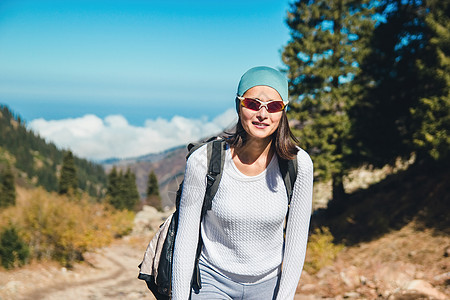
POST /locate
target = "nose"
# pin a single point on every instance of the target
(262, 113)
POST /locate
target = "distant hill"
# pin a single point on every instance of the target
(168, 167)
(37, 162)
(151, 157)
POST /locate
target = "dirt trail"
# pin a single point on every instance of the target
(380, 269)
(111, 273)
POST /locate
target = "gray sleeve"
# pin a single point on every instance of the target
(297, 228)
(186, 241)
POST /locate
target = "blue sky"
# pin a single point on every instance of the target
(141, 60)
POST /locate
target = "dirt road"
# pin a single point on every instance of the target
(368, 271)
(110, 273)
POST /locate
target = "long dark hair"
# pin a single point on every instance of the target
(283, 139)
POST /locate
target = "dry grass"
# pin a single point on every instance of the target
(62, 228)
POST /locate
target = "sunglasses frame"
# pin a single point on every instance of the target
(261, 103)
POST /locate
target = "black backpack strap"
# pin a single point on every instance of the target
(288, 170)
(194, 146)
(216, 159)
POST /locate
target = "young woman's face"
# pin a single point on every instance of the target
(260, 124)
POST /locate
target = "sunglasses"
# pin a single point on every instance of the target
(272, 106)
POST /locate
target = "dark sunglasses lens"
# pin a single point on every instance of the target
(251, 104)
(275, 106)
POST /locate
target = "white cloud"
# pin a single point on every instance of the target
(94, 138)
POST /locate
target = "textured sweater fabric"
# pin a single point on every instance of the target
(243, 231)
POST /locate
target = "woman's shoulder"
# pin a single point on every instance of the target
(198, 155)
(303, 158)
(199, 152)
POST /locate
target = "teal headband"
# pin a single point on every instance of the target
(264, 76)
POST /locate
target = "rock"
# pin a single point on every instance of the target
(305, 297)
(442, 278)
(146, 219)
(325, 272)
(423, 287)
(412, 253)
(309, 287)
(395, 275)
(306, 277)
(13, 286)
(352, 295)
(419, 275)
(371, 284)
(366, 292)
(350, 277)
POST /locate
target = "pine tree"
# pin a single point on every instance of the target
(7, 187)
(405, 106)
(431, 138)
(13, 250)
(68, 181)
(153, 197)
(152, 184)
(113, 183)
(131, 192)
(113, 190)
(122, 190)
(328, 40)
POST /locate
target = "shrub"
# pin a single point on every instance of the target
(13, 250)
(58, 228)
(7, 187)
(321, 250)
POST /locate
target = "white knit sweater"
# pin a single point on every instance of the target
(243, 232)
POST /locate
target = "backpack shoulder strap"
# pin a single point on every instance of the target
(191, 147)
(215, 162)
(288, 169)
(194, 146)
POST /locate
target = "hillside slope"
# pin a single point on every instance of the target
(396, 235)
(38, 162)
(420, 194)
(168, 167)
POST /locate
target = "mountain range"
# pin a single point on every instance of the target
(168, 167)
(38, 162)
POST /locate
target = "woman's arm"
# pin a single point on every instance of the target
(186, 241)
(297, 228)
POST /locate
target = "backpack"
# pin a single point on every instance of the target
(156, 267)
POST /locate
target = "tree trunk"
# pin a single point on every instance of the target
(338, 188)
(337, 203)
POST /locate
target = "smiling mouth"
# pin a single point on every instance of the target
(260, 125)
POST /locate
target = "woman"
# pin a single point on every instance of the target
(246, 254)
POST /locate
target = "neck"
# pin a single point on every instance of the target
(254, 150)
